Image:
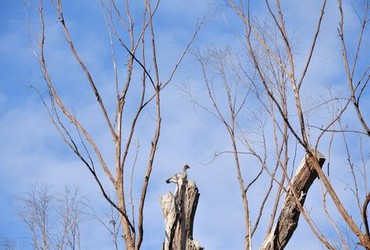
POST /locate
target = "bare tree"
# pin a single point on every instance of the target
(69, 212)
(263, 109)
(8, 244)
(53, 220)
(226, 111)
(35, 213)
(132, 43)
(261, 103)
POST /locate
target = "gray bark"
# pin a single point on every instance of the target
(290, 212)
(179, 212)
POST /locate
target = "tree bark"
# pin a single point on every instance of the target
(287, 222)
(179, 213)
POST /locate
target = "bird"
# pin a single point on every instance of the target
(183, 175)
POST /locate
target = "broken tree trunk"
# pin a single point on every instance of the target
(290, 212)
(179, 212)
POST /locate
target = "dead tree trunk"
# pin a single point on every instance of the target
(290, 212)
(179, 212)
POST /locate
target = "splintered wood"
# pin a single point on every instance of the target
(294, 200)
(179, 212)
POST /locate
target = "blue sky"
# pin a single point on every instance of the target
(32, 152)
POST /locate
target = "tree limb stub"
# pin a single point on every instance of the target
(287, 222)
(179, 213)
